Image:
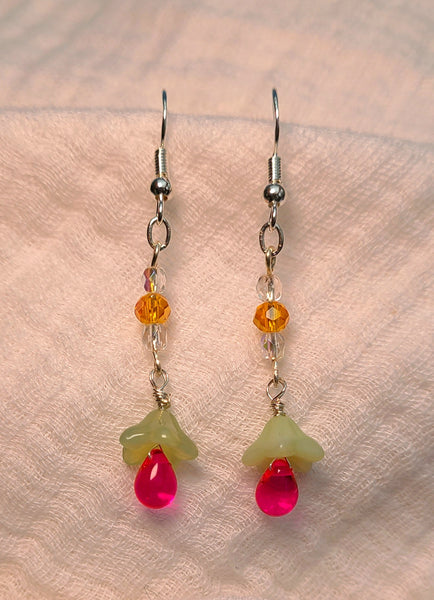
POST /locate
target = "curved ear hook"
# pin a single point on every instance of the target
(276, 119)
(164, 119)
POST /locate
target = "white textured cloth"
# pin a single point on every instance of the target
(357, 276)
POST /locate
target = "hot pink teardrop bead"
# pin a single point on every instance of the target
(155, 484)
(277, 491)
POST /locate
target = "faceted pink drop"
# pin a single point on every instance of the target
(277, 491)
(155, 484)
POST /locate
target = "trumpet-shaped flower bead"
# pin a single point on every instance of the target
(161, 428)
(282, 437)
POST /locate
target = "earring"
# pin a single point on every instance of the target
(282, 447)
(158, 440)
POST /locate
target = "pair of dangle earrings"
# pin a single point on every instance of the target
(157, 443)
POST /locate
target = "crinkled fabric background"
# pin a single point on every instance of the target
(80, 97)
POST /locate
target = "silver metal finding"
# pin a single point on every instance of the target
(274, 163)
(161, 397)
(160, 208)
(161, 188)
(149, 233)
(276, 398)
(160, 153)
(270, 261)
(281, 239)
(276, 119)
(273, 216)
(156, 254)
(164, 119)
(274, 194)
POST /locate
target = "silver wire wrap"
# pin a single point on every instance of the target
(275, 399)
(274, 169)
(158, 376)
(161, 397)
(276, 387)
(161, 162)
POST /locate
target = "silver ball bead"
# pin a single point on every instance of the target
(274, 192)
(161, 186)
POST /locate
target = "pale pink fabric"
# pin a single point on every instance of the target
(356, 270)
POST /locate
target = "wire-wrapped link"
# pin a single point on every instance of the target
(161, 397)
(276, 400)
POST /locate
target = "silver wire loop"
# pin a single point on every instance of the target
(162, 374)
(149, 232)
(273, 216)
(265, 248)
(275, 399)
(160, 208)
(156, 254)
(270, 260)
(161, 397)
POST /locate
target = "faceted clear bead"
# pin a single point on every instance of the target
(273, 346)
(154, 279)
(155, 336)
(269, 287)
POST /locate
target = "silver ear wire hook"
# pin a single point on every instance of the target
(274, 193)
(161, 187)
(274, 167)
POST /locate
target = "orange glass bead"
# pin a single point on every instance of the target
(152, 308)
(271, 317)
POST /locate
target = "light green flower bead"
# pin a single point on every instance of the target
(282, 437)
(159, 427)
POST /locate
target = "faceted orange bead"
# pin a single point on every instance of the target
(152, 308)
(271, 317)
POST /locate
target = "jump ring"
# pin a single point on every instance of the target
(149, 233)
(264, 248)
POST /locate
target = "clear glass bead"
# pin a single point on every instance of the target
(154, 279)
(155, 335)
(273, 346)
(269, 287)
